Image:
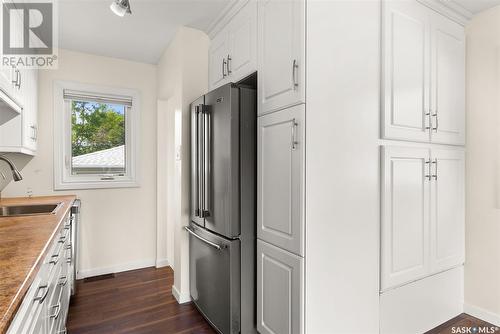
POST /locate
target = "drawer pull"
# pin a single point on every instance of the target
(41, 298)
(57, 307)
(54, 259)
(63, 280)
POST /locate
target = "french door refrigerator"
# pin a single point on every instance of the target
(223, 208)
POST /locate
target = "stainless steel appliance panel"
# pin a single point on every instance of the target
(214, 264)
(222, 137)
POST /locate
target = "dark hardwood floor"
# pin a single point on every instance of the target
(141, 301)
(138, 302)
(463, 322)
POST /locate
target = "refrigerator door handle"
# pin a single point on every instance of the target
(199, 174)
(195, 163)
(206, 163)
(208, 242)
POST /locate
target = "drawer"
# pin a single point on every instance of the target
(31, 305)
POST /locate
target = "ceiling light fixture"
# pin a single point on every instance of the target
(121, 7)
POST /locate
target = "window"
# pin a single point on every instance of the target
(95, 137)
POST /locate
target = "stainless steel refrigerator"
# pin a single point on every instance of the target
(223, 208)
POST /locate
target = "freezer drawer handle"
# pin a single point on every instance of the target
(213, 244)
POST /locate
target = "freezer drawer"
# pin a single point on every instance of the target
(214, 264)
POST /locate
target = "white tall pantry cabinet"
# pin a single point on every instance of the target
(360, 161)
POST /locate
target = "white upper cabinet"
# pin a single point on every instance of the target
(280, 178)
(405, 215)
(242, 35)
(447, 81)
(281, 47)
(406, 81)
(217, 59)
(447, 209)
(233, 50)
(423, 75)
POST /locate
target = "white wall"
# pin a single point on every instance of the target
(482, 266)
(342, 169)
(118, 225)
(182, 77)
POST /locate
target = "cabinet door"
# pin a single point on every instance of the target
(448, 81)
(405, 215)
(405, 71)
(218, 53)
(279, 290)
(242, 32)
(30, 111)
(281, 54)
(447, 209)
(280, 178)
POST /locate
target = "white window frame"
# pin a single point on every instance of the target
(63, 179)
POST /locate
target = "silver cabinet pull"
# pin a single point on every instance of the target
(435, 163)
(208, 242)
(16, 81)
(41, 298)
(56, 307)
(64, 280)
(32, 127)
(436, 117)
(54, 259)
(294, 134)
(224, 65)
(429, 119)
(228, 64)
(428, 165)
(20, 80)
(295, 66)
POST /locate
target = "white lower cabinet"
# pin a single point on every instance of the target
(279, 290)
(280, 178)
(45, 306)
(422, 213)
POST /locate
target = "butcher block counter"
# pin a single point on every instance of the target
(24, 243)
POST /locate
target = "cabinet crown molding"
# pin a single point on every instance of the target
(225, 16)
(450, 9)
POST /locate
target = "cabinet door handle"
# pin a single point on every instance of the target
(295, 66)
(429, 119)
(428, 165)
(294, 135)
(33, 131)
(435, 115)
(20, 80)
(228, 64)
(41, 298)
(224, 64)
(435, 163)
(63, 280)
(57, 307)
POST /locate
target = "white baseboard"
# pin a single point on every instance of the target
(84, 273)
(162, 263)
(482, 314)
(181, 298)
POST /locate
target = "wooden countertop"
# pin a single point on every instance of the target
(24, 242)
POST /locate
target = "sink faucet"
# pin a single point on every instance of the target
(16, 175)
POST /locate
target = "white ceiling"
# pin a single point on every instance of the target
(90, 26)
(476, 6)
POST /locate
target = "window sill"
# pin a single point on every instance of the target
(96, 185)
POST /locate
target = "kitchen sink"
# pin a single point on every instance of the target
(28, 210)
